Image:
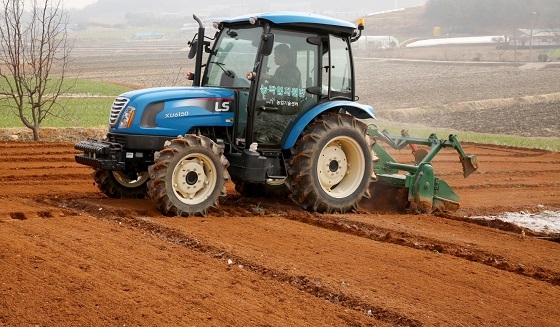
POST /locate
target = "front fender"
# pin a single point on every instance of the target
(357, 110)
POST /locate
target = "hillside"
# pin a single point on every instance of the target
(415, 22)
(408, 21)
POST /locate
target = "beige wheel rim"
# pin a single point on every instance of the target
(131, 183)
(341, 167)
(194, 178)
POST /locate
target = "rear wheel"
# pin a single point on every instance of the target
(331, 166)
(188, 176)
(117, 184)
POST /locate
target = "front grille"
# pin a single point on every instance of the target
(118, 105)
(116, 138)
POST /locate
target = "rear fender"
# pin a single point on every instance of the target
(355, 109)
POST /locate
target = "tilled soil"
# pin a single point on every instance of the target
(529, 120)
(71, 256)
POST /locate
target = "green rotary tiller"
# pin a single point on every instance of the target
(426, 192)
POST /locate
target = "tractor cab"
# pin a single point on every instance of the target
(279, 66)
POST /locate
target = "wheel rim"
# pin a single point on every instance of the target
(194, 178)
(341, 166)
(131, 183)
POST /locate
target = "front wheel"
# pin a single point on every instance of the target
(117, 184)
(188, 176)
(331, 166)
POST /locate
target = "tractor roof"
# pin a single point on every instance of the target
(298, 19)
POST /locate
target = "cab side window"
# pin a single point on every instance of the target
(337, 73)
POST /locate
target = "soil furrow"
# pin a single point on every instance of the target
(378, 234)
(37, 158)
(44, 178)
(306, 284)
(40, 152)
(40, 166)
(33, 145)
(509, 185)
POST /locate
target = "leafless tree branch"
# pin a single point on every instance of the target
(34, 56)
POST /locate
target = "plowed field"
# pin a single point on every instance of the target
(71, 256)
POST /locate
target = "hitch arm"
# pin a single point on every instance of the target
(469, 162)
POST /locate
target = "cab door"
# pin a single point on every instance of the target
(232, 57)
(281, 91)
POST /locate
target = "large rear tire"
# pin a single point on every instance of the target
(116, 184)
(188, 176)
(331, 166)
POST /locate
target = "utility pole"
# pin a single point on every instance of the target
(515, 42)
(531, 40)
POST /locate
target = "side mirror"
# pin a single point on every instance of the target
(267, 44)
(315, 90)
(192, 51)
(315, 40)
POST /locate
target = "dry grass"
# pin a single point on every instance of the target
(47, 134)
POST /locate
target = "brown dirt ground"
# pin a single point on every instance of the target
(71, 256)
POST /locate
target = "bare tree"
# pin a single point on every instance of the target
(34, 54)
(555, 35)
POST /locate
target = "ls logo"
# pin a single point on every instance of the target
(221, 106)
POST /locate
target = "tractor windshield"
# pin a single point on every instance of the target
(233, 57)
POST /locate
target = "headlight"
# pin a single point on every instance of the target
(127, 117)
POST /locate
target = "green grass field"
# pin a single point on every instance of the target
(94, 88)
(550, 144)
(80, 86)
(78, 112)
(553, 54)
(91, 109)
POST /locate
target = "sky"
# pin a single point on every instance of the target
(111, 10)
(77, 4)
(315, 4)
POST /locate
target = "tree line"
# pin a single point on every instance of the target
(543, 13)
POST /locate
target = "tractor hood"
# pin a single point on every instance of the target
(178, 92)
(171, 111)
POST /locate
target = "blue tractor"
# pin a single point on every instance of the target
(272, 109)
